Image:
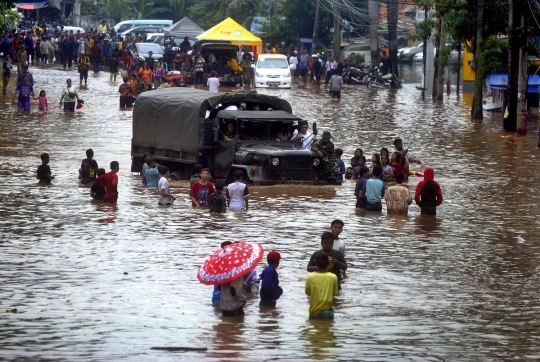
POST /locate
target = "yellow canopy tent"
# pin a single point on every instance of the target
(230, 30)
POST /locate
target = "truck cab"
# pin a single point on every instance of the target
(262, 148)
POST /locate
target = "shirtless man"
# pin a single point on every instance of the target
(398, 143)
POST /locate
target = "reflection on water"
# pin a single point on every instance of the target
(319, 339)
(94, 281)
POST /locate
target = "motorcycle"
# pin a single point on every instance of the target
(383, 81)
(357, 75)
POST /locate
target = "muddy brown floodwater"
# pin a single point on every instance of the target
(463, 286)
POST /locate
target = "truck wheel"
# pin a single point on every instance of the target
(136, 164)
(177, 175)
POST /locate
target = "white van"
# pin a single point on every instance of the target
(74, 29)
(272, 71)
(128, 24)
(142, 31)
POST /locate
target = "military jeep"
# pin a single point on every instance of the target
(183, 127)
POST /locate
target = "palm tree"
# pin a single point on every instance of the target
(148, 9)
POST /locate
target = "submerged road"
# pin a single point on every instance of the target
(96, 282)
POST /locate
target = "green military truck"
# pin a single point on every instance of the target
(181, 127)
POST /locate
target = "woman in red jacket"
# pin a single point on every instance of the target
(395, 163)
(428, 193)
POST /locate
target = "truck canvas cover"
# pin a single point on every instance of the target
(168, 119)
(173, 118)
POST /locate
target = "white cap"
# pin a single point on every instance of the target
(243, 104)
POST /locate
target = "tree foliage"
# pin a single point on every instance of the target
(138, 9)
(208, 13)
(281, 29)
(8, 17)
(494, 57)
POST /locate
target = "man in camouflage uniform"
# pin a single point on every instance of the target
(325, 148)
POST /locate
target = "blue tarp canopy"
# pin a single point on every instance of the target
(500, 81)
(256, 24)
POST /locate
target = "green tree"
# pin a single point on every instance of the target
(8, 17)
(208, 13)
(91, 7)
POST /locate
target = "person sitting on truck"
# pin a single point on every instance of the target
(257, 107)
(230, 135)
(284, 133)
(242, 106)
(304, 135)
(249, 133)
(268, 134)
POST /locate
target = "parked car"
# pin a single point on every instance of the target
(406, 55)
(419, 57)
(272, 70)
(142, 31)
(128, 24)
(58, 29)
(75, 29)
(144, 49)
(155, 38)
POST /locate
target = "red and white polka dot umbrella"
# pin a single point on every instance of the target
(230, 263)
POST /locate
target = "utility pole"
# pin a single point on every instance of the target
(374, 31)
(392, 20)
(514, 21)
(429, 67)
(315, 27)
(440, 65)
(459, 69)
(437, 56)
(477, 111)
(298, 24)
(337, 30)
(523, 80)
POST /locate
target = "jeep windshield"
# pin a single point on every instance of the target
(258, 125)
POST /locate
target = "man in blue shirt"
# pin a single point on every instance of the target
(374, 189)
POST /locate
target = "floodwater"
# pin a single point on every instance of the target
(96, 282)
